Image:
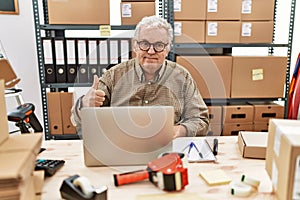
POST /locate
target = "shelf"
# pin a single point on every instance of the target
(83, 27)
(232, 101)
(65, 85)
(229, 45)
(63, 137)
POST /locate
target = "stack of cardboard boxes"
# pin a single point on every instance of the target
(18, 154)
(132, 11)
(238, 77)
(231, 21)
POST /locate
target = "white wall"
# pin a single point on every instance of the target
(18, 38)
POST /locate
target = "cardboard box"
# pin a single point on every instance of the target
(211, 73)
(224, 10)
(137, 0)
(190, 10)
(79, 12)
(286, 168)
(133, 12)
(265, 111)
(189, 31)
(277, 128)
(222, 32)
(253, 144)
(238, 113)
(215, 114)
(258, 76)
(260, 126)
(234, 128)
(54, 112)
(257, 10)
(256, 32)
(8, 74)
(17, 154)
(66, 101)
(215, 129)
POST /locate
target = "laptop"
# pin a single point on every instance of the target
(128, 135)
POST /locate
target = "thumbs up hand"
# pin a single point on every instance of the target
(94, 97)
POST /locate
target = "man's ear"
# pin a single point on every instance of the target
(134, 46)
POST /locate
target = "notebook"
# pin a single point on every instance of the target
(133, 135)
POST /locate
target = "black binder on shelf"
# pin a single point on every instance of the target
(92, 59)
(83, 69)
(71, 60)
(49, 67)
(60, 67)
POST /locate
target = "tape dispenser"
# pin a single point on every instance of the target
(78, 188)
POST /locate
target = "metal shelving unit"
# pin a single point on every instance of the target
(193, 49)
(165, 9)
(58, 31)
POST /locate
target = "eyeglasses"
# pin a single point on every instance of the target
(157, 46)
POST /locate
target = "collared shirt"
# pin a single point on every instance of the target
(125, 85)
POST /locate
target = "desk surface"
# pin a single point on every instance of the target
(229, 160)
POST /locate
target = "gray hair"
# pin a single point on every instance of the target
(154, 22)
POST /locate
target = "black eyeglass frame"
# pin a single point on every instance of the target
(153, 45)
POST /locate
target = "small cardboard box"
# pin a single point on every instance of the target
(190, 10)
(260, 126)
(286, 168)
(230, 129)
(256, 32)
(189, 31)
(266, 111)
(223, 31)
(79, 12)
(238, 113)
(133, 12)
(215, 114)
(257, 10)
(211, 73)
(277, 128)
(253, 144)
(224, 10)
(215, 129)
(258, 76)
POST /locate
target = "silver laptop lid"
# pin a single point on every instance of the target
(132, 135)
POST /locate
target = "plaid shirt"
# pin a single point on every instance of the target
(125, 85)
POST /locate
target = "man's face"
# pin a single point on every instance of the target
(151, 60)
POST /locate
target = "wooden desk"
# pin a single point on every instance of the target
(229, 160)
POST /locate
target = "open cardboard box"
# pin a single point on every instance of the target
(17, 152)
(253, 144)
